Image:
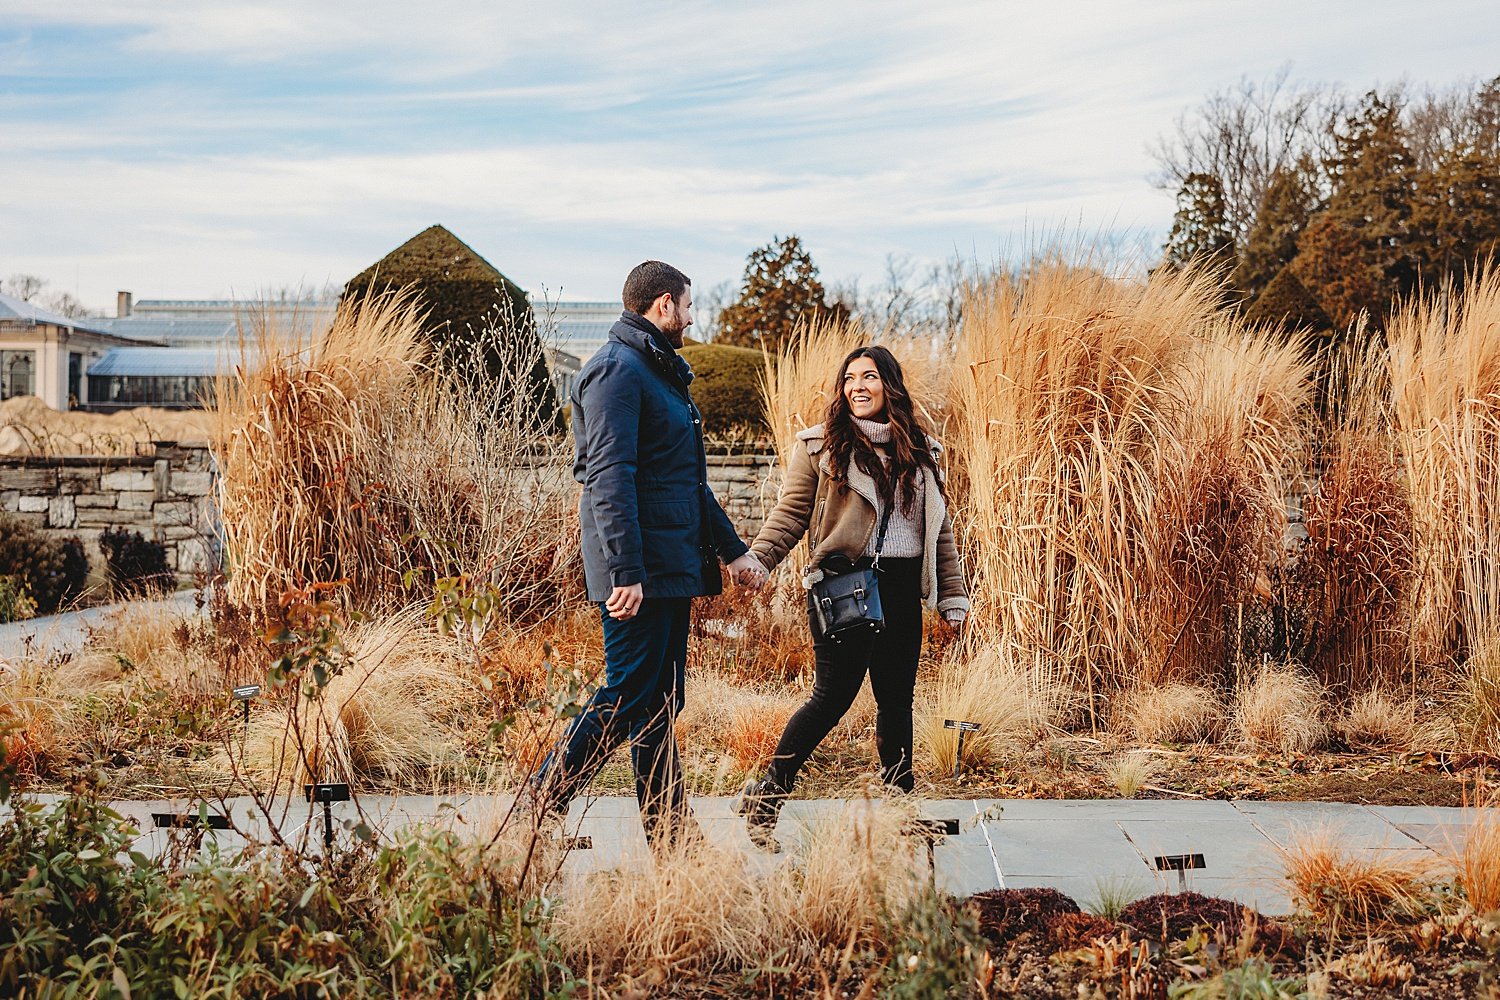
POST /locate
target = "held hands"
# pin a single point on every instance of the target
(746, 571)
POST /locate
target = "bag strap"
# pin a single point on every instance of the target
(885, 522)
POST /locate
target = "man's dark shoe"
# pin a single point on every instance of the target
(760, 804)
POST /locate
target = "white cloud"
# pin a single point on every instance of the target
(246, 141)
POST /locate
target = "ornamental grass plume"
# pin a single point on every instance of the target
(348, 459)
(1353, 577)
(1444, 363)
(1120, 450)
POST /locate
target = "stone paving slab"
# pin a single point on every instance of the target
(1230, 850)
(1353, 826)
(1090, 848)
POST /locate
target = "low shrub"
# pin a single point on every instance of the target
(1172, 713)
(136, 565)
(15, 603)
(1007, 914)
(727, 386)
(52, 570)
(1173, 916)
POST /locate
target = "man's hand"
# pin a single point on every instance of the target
(624, 602)
(748, 572)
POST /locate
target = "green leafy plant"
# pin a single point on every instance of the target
(52, 570)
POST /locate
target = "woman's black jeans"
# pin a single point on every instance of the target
(890, 658)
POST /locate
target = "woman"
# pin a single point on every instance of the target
(869, 456)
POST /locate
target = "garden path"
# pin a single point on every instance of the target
(1085, 848)
(68, 631)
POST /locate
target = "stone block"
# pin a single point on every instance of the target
(96, 499)
(179, 512)
(191, 484)
(10, 500)
(31, 504)
(61, 513)
(92, 517)
(141, 500)
(176, 533)
(28, 480)
(128, 479)
(192, 557)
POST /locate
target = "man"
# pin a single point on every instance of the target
(653, 538)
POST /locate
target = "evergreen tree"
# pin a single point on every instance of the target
(1200, 229)
(1333, 264)
(1284, 213)
(479, 322)
(780, 290)
(1373, 192)
(1285, 302)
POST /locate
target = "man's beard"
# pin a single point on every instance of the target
(674, 330)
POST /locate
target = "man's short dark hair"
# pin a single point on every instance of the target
(648, 281)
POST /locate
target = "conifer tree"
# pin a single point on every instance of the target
(1200, 229)
(780, 289)
(1289, 203)
(1373, 192)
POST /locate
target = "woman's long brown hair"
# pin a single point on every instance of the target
(908, 449)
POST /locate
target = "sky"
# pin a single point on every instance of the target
(220, 148)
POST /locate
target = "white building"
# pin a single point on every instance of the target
(48, 355)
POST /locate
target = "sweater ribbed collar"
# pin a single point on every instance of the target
(878, 433)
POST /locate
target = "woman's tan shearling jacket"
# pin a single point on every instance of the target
(838, 517)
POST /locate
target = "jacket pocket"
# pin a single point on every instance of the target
(666, 513)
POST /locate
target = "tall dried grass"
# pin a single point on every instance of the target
(1354, 575)
(1445, 385)
(347, 459)
(1121, 449)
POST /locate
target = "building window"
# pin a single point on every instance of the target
(75, 380)
(178, 392)
(17, 373)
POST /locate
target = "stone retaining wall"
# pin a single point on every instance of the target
(746, 485)
(169, 496)
(166, 496)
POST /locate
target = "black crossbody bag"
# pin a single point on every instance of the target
(850, 600)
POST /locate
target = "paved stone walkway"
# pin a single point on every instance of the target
(1082, 847)
(68, 631)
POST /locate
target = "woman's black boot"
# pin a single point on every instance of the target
(760, 804)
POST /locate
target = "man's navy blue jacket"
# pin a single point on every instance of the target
(647, 513)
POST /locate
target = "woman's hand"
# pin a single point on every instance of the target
(746, 571)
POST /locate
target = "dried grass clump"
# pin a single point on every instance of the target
(706, 913)
(1445, 387)
(1353, 577)
(1479, 696)
(349, 460)
(1130, 772)
(1008, 701)
(1331, 884)
(1281, 710)
(395, 714)
(1171, 713)
(1476, 864)
(1376, 720)
(1120, 449)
